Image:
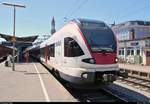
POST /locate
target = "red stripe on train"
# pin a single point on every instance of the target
(104, 58)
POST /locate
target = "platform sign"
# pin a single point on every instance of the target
(13, 39)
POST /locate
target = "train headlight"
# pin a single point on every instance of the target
(89, 60)
(84, 75)
(116, 60)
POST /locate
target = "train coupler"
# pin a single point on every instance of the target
(123, 74)
(109, 77)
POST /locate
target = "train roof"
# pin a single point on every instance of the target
(87, 20)
(81, 21)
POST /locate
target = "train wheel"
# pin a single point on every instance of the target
(57, 74)
(53, 71)
(69, 85)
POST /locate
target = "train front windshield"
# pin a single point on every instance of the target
(100, 39)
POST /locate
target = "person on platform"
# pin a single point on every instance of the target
(26, 57)
(9, 60)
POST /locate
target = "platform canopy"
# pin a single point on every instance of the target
(19, 39)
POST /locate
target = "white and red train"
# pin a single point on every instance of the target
(82, 52)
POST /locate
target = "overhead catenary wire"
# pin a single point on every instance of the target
(133, 12)
(129, 6)
(71, 8)
(82, 4)
(76, 9)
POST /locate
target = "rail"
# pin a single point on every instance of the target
(88, 95)
(99, 95)
(137, 82)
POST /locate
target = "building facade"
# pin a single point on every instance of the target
(134, 42)
(132, 30)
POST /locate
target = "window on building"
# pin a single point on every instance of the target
(128, 52)
(72, 48)
(52, 50)
(132, 52)
(140, 22)
(138, 52)
(147, 23)
(120, 52)
(132, 34)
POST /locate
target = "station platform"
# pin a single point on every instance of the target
(135, 67)
(31, 82)
(138, 71)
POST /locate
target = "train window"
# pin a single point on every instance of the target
(52, 50)
(92, 25)
(42, 52)
(100, 39)
(48, 54)
(72, 48)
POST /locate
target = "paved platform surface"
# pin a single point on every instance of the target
(31, 83)
(135, 67)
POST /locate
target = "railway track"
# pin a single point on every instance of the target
(98, 95)
(89, 95)
(110, 93)
(136, 82)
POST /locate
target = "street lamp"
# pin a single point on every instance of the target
(14, 27)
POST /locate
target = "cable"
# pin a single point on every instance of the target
(75, 3)
(131, 5)
(84, 2)
(65, 18)
(133, 12)
(78, 7)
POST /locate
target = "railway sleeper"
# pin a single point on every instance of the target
(138, 74)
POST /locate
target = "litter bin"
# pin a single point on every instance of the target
(6, 63)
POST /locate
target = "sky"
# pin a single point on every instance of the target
(36, 18)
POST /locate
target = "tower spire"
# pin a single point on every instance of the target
(53, 30)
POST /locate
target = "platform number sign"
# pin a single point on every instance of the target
(13, 39)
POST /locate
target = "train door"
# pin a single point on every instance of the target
(46, 53)
(58, 53)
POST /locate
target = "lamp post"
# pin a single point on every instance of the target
(14, 28)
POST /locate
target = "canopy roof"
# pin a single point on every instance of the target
(20, 39)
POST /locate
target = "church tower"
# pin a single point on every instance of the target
(53, 26)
